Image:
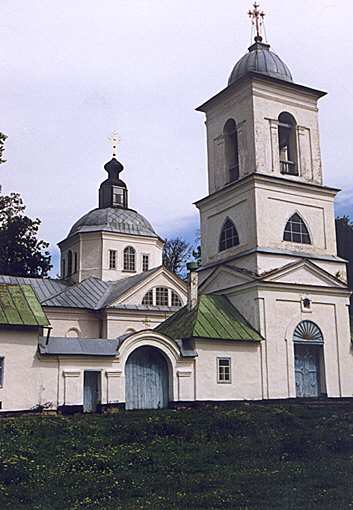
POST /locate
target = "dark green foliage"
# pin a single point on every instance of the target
(2, 147)
(344, 234)
(237, 457)
(21, 253)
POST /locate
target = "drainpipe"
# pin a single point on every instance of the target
(193, 283)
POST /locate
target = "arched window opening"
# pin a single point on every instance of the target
(162, 296)
(148, 298)
(231, 150)
(73, 333)
(129, 259)
(63, 270)
(69, 263)
(307, 331)
(176, 301)
(229, 236)
(287, 140)
(76, 262)
(296, 231)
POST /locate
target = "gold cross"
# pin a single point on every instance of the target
(114, 140)
(257, 19)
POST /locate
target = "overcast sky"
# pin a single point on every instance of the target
(74, 71)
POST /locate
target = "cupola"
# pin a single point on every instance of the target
(113, 191)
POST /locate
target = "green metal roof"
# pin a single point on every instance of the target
(19, 306)
(214, 317)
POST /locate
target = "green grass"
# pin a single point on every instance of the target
(231, 457)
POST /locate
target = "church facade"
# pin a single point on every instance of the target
(265, 315)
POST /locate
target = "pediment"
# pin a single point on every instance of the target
(224, 277)
(304, 273)
(162, 278)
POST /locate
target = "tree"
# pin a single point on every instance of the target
(21, 253)
(176, 253)
(344, 235)
(2, 147)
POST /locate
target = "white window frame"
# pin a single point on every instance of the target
(2, 371)
(148, 262)
(219, 379)
(110, 253)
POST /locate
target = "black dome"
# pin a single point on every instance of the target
(260, 60)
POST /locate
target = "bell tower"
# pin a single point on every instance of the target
(267, 204)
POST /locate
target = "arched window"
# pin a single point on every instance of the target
(73, 333)
(148, 298)
(63, 270)
(129, 259)
(307, 331)
(69, 263)
(231, 150)
(287, 141)
(176, 301)
(229, 236)
(296, 231)
(76, 262)
(162, 296)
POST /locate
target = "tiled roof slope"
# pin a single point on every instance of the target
(19, 306)
(91, 293)
(85, 294)
(43, 287)
(214, 317)
(78, 347)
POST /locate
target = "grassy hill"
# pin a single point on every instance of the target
(229, 457)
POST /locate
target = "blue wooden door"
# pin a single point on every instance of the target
(146, 379)
(307, 371)
(91, 391)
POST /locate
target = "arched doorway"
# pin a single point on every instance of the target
(309, 360)
(146, 379)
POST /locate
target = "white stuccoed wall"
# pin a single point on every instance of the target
(93, 254)
(28, 381)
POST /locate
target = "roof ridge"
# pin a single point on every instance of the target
(103, 301)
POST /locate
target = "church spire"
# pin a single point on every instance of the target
(113, 191)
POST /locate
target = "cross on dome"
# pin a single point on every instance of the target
(115, 140)
(257, 20)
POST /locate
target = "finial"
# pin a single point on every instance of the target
(115, 140)
(257, 20)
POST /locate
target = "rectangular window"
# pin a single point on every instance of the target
(2, 371)
(223, 370)
(76, 262)
(112, 259)
(145, 262)
(162, 295)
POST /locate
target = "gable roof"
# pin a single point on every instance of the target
(323, 275)
(120, 287)
(96, 294)
(214, 317)
(19, 306)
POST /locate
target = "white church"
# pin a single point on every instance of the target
(265, 316)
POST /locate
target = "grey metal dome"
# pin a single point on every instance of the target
(260, 60)
(111, 219)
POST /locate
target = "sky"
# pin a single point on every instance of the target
(74, 72)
